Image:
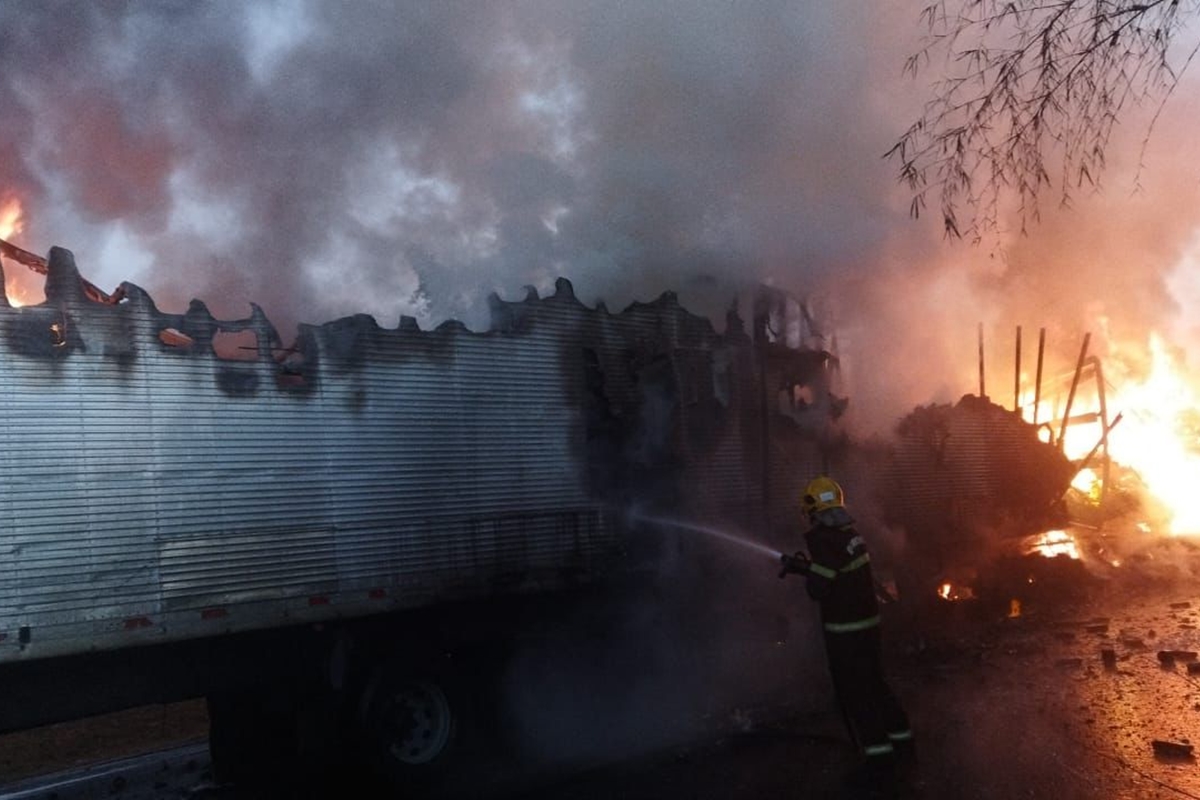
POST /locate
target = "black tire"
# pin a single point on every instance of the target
(413, 719)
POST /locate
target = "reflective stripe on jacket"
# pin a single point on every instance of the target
(840, 577)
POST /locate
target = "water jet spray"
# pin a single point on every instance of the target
(714, 532)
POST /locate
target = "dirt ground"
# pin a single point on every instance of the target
(66, 746)
(1062, 696)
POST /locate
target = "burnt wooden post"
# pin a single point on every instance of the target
(1062, 430)
(1037, 386)
(1105, 427)
(982, 390)
(1017, 377)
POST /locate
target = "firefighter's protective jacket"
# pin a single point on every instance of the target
(840, 577)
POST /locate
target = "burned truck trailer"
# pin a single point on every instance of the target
(354, 512)
(155, 491)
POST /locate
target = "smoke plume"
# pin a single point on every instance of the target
(322, 159)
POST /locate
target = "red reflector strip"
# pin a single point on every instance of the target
(377, 594)
(214, 613)
(318, 600)
(133, 623)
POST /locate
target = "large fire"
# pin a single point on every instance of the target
(19, 284)
(11, 221)
(1157, 436)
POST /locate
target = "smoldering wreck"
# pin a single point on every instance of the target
(348, 508)
(406, 465)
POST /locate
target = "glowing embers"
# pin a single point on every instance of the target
(1051, 544)
(954, 592)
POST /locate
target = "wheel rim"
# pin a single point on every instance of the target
(420, 723)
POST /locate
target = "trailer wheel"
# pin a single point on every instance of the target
(419, 723)
(412, 721)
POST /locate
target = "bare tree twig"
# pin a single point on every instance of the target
(1026, 83)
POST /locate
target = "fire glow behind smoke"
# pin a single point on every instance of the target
(19, 283)
(10, 218)
(324, 159)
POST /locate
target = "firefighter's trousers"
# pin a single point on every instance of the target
(875, 717)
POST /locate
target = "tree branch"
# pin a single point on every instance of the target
(1025, 82)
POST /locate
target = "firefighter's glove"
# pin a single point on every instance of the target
(797, 563)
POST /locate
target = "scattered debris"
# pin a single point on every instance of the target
(1169, 657)
(1167, 749)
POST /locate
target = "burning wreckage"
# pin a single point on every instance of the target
(316, 528)
(1028, 503)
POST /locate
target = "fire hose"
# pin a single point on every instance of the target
(798, 564)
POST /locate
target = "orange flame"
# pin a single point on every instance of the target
(19, 285)
(1051, 544)
(952, 592)
(11, 218)
(1157, 436)
(1156, 441)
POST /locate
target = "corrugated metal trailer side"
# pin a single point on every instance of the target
(247, 518)
(153, 491)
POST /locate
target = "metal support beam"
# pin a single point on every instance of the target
(1037, 386)
(1066, 415)
(982, 388)
(1017, 377)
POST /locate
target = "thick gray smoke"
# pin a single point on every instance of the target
(326, 158)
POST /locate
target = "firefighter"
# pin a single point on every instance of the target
(838, 576)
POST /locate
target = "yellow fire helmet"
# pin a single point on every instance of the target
(821, 493)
